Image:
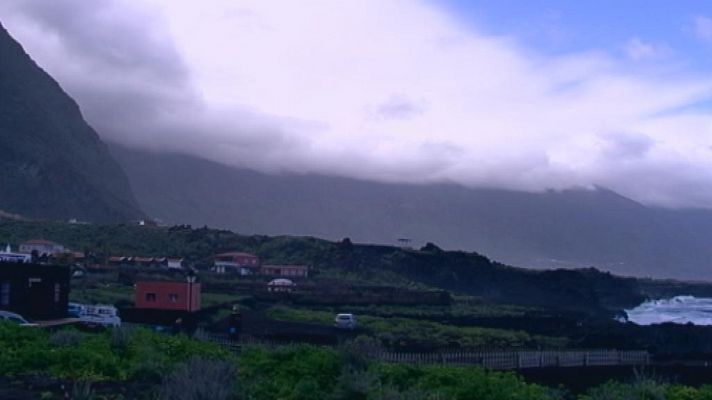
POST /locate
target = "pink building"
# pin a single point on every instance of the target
(180, 296)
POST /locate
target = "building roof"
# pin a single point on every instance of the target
(144, 259)
(235, 254)
(163, 284)
(300, 266)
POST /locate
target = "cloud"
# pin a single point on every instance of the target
(397, 107)
(703, 27)
(625, 146)
(391, 91)
(637, 49)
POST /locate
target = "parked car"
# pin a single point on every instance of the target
(15, 318)
(345, 321)
(76, 310)
(100, 316)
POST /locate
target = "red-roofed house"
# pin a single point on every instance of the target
(242, 263)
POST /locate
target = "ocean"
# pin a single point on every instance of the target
(679, 310)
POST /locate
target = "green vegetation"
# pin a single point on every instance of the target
(647, 389)
(104, 294)
(112, 355)
(158, 366)
(415, 333)
(293, 372)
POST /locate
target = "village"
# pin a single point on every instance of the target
(47, 284)
(241, 292)
(238, 298)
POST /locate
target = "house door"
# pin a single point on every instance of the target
(38, 305)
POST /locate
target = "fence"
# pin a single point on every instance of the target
(519, 359)
(498, 359)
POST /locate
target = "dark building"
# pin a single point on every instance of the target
(38, 292)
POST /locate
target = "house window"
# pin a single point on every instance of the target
(151, 297)
(5, 294)
(173, 298)
(57, 292)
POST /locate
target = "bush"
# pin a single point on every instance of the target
(355, 385)
(292, 372)
(66, 338)
(462, 383)
(23, 350)
(120, 338)
(643, 390)
(200, 379)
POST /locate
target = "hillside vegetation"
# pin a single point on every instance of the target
(584, 290)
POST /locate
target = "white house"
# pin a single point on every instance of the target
(42, 247)
(9, 256)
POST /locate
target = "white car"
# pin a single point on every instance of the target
(100, 316)
(14, 318)
(345, 321)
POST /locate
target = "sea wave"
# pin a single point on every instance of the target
(679, 310)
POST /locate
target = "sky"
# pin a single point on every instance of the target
(529, 96)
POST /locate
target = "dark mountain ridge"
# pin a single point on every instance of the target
(572, 228)
(54, 165)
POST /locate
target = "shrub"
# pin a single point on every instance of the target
(355, 385)
(290, 372)
(23, 350)
(462, 383)
(66, 338)
(640, 390)
(120, 338)
(200, 379)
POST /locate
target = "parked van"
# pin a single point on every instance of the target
(345, 321)
(76, 310)
(99, 316)
(14, 318)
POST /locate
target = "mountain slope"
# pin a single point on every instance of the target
(53, 164)
(555, 229)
